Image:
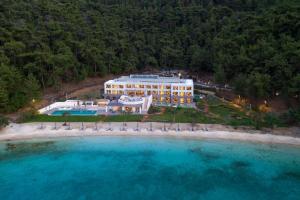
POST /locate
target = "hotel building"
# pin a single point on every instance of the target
(169, 90)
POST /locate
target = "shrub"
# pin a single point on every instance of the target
(27, 116)
(271, 120)
(292, 117)
(153, 110)
(3, 121)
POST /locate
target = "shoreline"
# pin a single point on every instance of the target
(31, 131)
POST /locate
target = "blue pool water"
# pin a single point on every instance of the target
(147, 168)
(74, 112)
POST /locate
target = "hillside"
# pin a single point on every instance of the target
(252, 44)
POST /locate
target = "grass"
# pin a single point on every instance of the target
(219, 112)
(100, 118)
(181, 115)
(49, 118)
(122, 118)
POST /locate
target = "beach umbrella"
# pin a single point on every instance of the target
(178, 129)
(96, 126)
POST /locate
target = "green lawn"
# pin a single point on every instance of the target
(113, 118)
(227, 114)
(220, 112)
(49, 118)
(182, 115)
(122, 118)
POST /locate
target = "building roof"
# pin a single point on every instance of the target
(150, 79)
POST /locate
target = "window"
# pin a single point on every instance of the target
(108, 91)
(148, 86)
(189, 88)
(188, 94)
(189, 100)
(141, 86)
(175, 87)
(154, 86)
(154, 92)
(168, 87)
(121, 86)
(182, 88)
(114, 86)
(140, 93)
(131, 93)
(148, 92)
(168, 100)
(175, 93)
(128, 86)
(168, 93)
(182, 94)
(181, 100)
(175, 100)
(162, 93)
(162, 99)
(108, 86)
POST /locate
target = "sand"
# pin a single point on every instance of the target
(47, 130)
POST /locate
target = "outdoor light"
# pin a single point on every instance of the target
(33, 100)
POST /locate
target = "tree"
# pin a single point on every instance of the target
(240, 84)
(220, 75)
(32, 87)
(294, 88)
(3, 98)
(258, 85)
(3, 121)
(62, 41)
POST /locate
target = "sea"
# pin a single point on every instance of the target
(124, 167)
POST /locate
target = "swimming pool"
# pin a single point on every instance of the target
(74, 112)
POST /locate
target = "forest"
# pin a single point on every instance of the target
(254, 45)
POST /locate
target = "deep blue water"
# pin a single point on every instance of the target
(147, 168)
(74, 112)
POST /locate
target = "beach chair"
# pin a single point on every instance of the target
(55, 127)
(137, 127)
(69, 127)
(41, 126)
(109, 128)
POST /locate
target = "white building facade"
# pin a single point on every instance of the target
(168, 90)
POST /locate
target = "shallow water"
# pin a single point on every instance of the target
(147, 168)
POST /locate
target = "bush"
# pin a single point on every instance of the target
(271, 120)
(153, 110)
(292, 117)
(27, 116)
(3, 121)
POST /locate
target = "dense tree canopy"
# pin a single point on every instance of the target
(250, 42)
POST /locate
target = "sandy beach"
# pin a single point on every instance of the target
(52, 130)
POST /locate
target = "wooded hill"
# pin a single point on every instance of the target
(252, 44)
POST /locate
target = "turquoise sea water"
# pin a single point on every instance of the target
(147, 168)
(74, 112)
